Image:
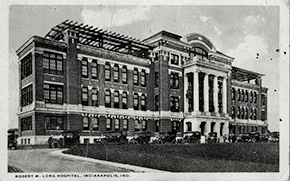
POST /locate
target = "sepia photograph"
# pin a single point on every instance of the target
(148, 91)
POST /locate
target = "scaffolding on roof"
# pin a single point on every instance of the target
(99, 38)
(244, 75)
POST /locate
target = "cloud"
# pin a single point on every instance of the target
(204, 18)
(106, 18)
(246, 52)
(252, 20)
(217, 30)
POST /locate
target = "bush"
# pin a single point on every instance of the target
(187, 158)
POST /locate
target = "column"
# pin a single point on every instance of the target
(185, 92)
(195, 92)
(224, 95)
(215, 94)
(205, 93)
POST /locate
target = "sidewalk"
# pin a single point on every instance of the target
(114, 164)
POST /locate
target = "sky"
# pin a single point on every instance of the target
(238, 31)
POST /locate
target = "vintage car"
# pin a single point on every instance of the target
(166, 137)
(255, 137)
(66, 139)
(113, 137)
(192, 137)
(212, 137)
(12, 140)
(140, 138)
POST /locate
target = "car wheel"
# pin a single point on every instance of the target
(55, 145)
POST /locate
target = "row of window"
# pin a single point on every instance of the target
(26, 96)
(26, 66)
(118, 75)
(90, 123)
(139, 102)
(244, 96)
(244, 113)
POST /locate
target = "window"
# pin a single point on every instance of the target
(242, 95)
(26, 66)
(263, 99)
(53, 93)
(136, 101)
(174, 104)
(117, 124)
(143, 78)
(95, 124)
(26, 123)
(85, 96)
(26, 96)
(116, 99)
(85, 67)
(233, 112)
(124, 100)
(116, 73)
(90, 123)
(107, 98)
(52, 63)
(107, 72)
(53, 122)
(174, 80)
(125, 124)
(94, 97)
(174, 59)
(251, 97)
(246, 96)
(144, 125)
(156, 125)
(255, 97)
(108, 124)
(135, 77)
(156, 103)
(86, 123)
(156, 79)
(138, 125)
(143, 102)
(247, 113)
(239, 95)
(238, 112)
(175, 126)
(188, 126)
(233, 94)
(124, 74)
(199, 51)
(94, 69)
(255, 114)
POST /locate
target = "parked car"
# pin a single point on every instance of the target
(12, 140)
(255, 137)
(114, 137)
(141, 138)
(66, 139)
(212, 137)
(192, 137)
(166, 137)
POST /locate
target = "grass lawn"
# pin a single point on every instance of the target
(238, 157)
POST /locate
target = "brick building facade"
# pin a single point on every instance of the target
(87, 79)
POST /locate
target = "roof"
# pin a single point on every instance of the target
(244, 75)
(93, 36)
(165, 33)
